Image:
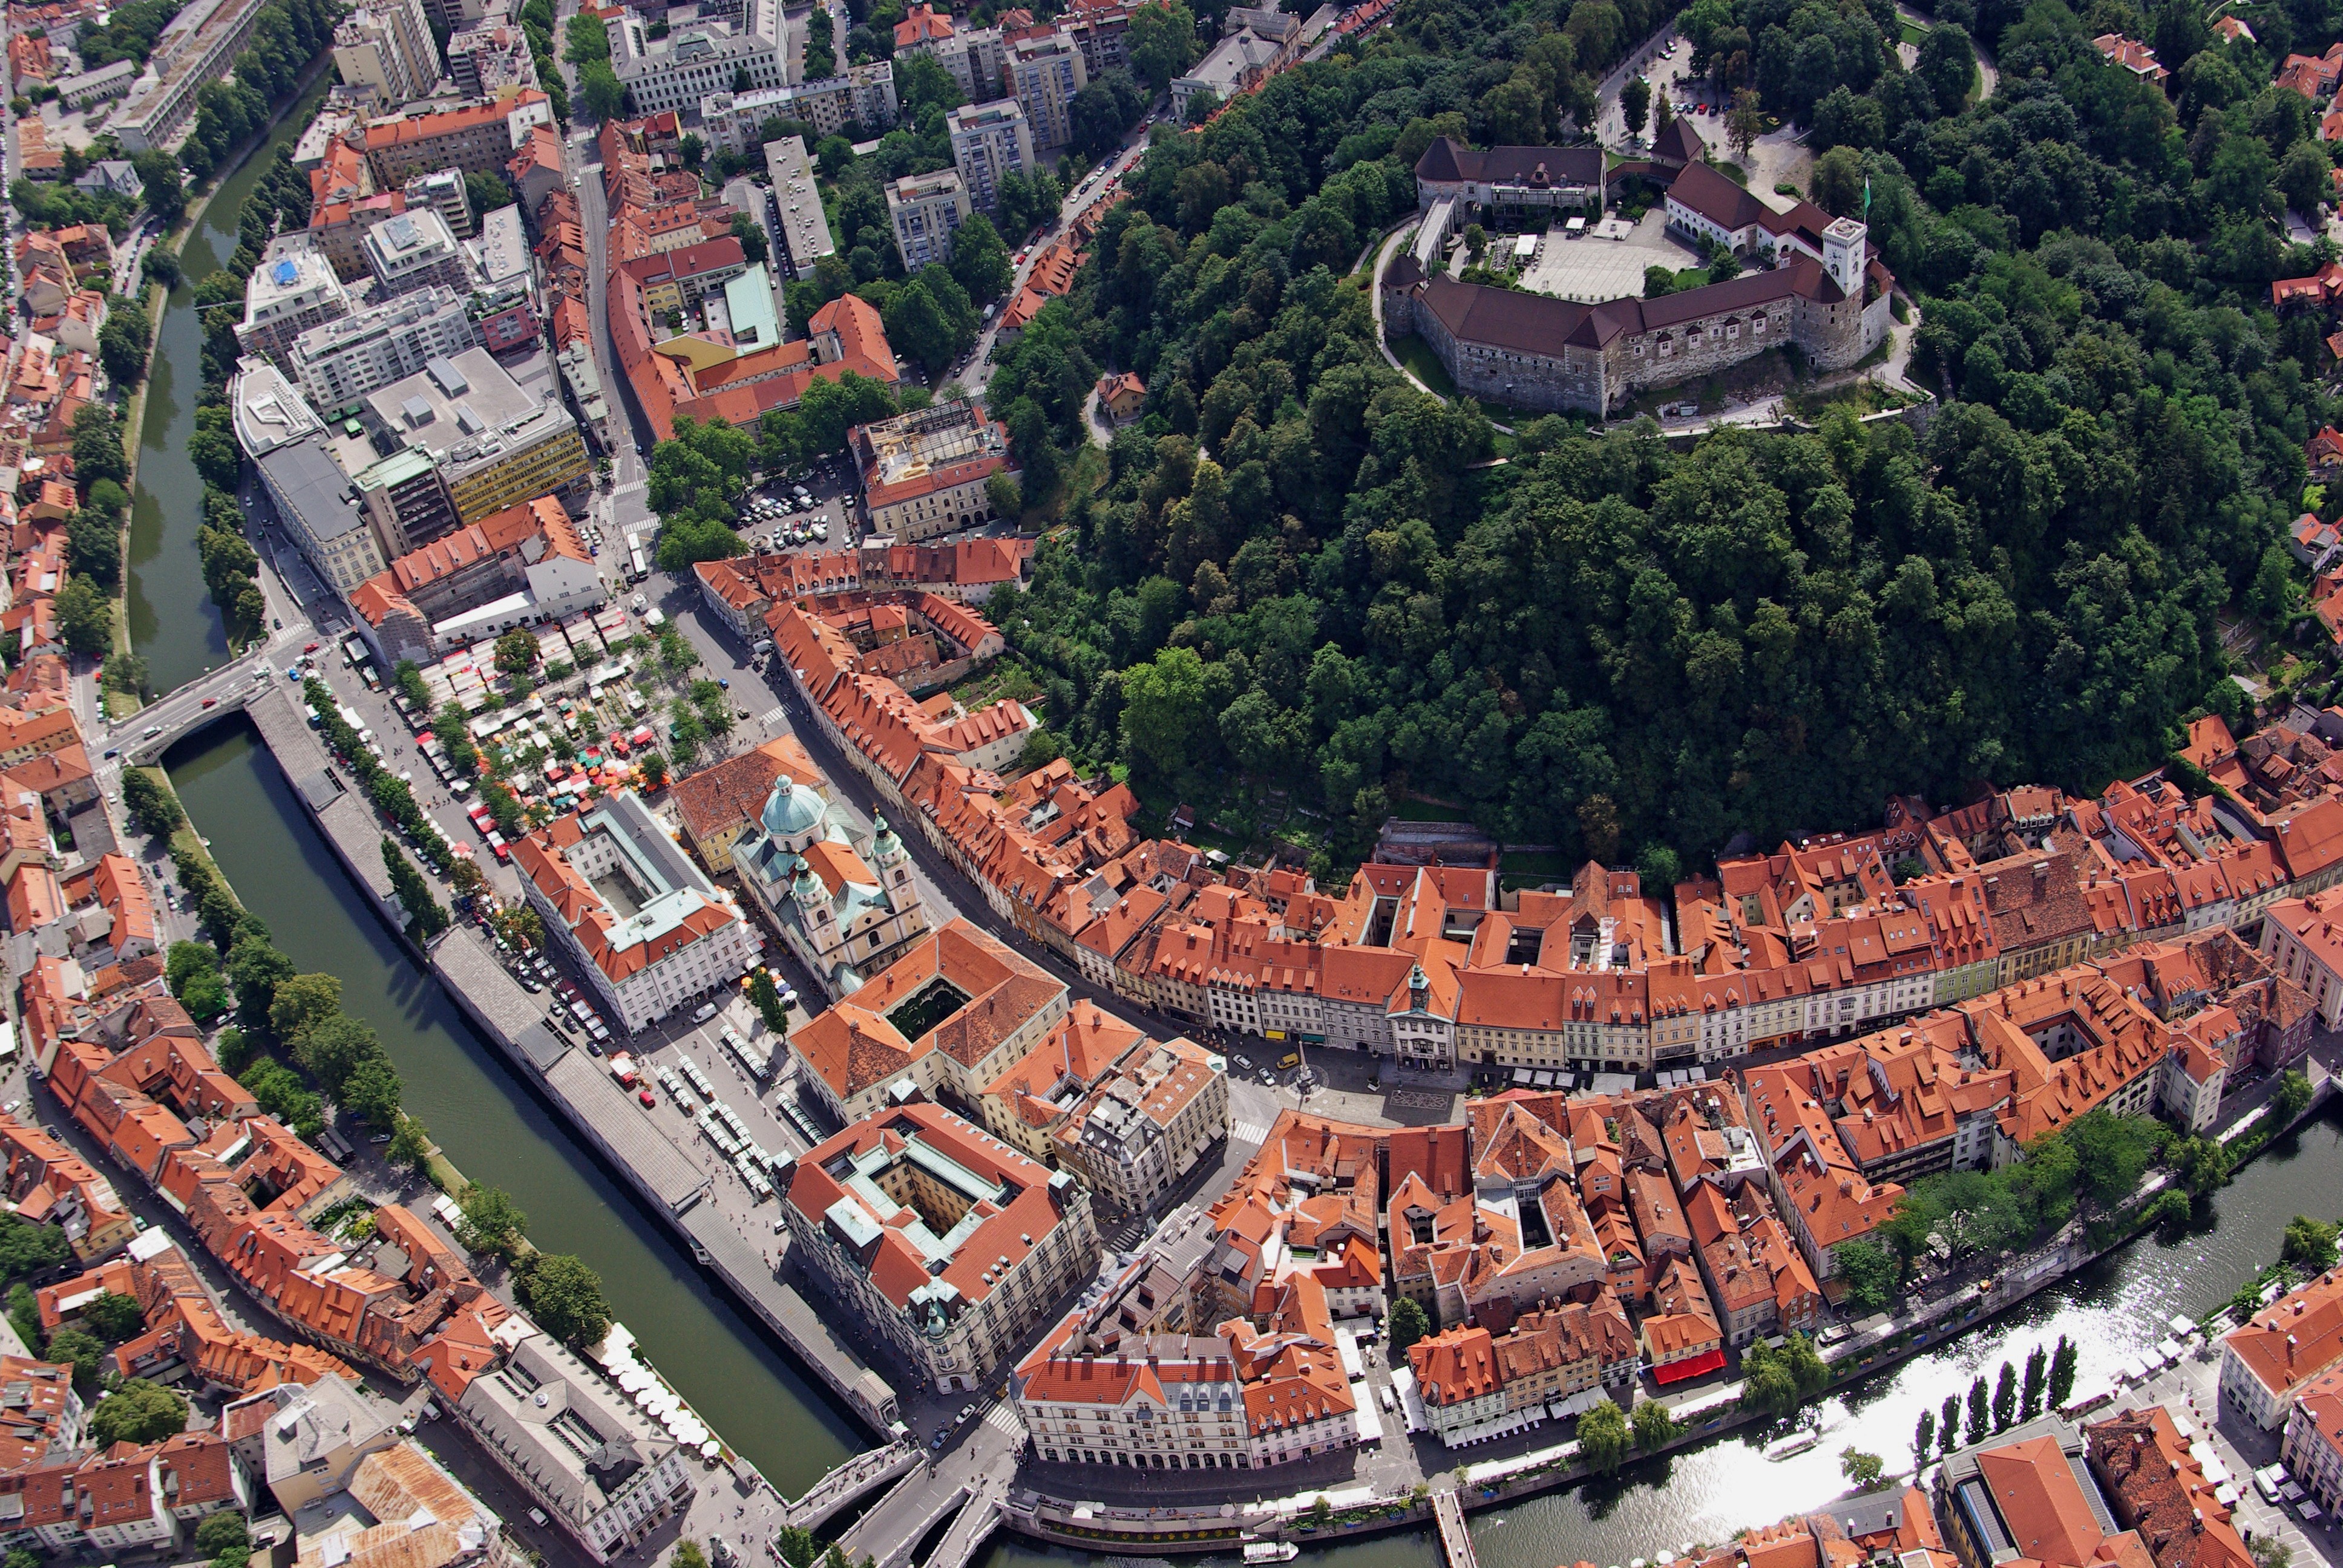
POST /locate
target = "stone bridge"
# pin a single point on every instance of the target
(146, 734)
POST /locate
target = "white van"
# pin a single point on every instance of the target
(703, 1013)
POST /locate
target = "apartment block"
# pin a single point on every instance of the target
(864, 97)
(384, 49)
(414, 251)
(923, 210)
(990, 142)
(1044, 75)
(675, 72)
(293, 289)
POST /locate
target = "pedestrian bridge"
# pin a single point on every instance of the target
(851, 1482)
(146, 734)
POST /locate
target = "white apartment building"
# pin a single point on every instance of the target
(678, 71)
(648, 929)
(414, 250)
(385, 48)
(1146, 1126)
(2313, 1448)
(2277, 1352)
(923, 210)
(939, 1237)
(1044, 75)
(864, 97)
(989, 143)
(593, 1462)
(339, 361)
(293, 289)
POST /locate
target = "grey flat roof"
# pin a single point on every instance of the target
(319, 788)
(306, 475)
(594, 1099)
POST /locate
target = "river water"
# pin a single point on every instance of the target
(173, 621)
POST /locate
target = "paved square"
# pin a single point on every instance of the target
(1592, 270)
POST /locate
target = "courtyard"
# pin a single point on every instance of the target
(1590, 269)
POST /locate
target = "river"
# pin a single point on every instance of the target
(493, 1126)
(497, 1131)
(173, 621)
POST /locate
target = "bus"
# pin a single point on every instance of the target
(638, 567)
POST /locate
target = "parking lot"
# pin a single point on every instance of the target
(775, 517)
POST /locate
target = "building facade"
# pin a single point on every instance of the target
(924, 210)
(990, 142)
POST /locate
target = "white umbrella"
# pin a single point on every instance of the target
(711, 1450)
(645, 1397)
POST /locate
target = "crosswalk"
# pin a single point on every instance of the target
(772, 717)
(1002, 1419)
(1248, 1132)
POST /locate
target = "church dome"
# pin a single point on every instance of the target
(791, 810)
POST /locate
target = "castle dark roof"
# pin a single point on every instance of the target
(1679, 142)
(1541, 323)
(1700, 188)
(1450, 162)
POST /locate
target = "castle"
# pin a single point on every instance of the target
(1824, 294)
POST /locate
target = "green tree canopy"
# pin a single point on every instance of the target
(138, 1411)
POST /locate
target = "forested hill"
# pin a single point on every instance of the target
(1296, 577)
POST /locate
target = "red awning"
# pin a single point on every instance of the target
(1677, 1371)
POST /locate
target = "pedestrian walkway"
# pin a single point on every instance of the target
(1247, 1131)
(1002, 1418)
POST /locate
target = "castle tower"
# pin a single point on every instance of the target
(1845, 248)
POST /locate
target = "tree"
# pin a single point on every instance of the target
(1636, 105)
(1161, 44)
(152, 806)
(411, 1145)
(1838, 182)
(1948, 1425)
(687, 1555)
(1602, 1436)
(1778, 1380)
(84, 620)
(565, 1296)
(754, 245)
(653, 767)
(82, 1351)
(2062, 1373)
(2112, 1152)
(2291, 1094)
(1947, 63)
(488, 190)
(1923, 1437)
(372, 1091)
(1744, 121)
(2309, 1243)
(408, 678)
(300, 1003)
(1870, 1272)
(98, 446)
(122, 342)
(1863, 1471)
(2271, 1552)
(517, 651)
(2038, 1383)
(2005, 1398)
(221, 1530)
(138, 1411)
(1980, 1411)
(980, 260)
(1000, 494)
(427, 917)
(1165, 709)
(1655, 1426)
(1405, 1325)
(161, 186)
(185, 961)
(2306, 178)
(797, 1546)
(113, 1317)
(599, 93)
(492, 1222)
(767, 1002)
